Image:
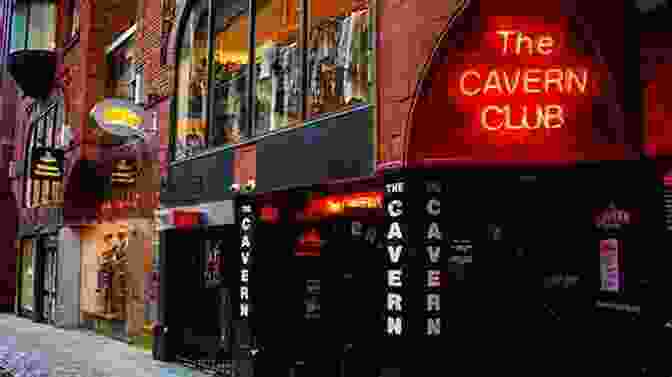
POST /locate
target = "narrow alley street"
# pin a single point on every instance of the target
(75, 353)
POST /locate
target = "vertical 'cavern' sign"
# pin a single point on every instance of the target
(433, 237)
(246, 215)
(396, 242)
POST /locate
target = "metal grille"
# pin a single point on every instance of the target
(213, 367)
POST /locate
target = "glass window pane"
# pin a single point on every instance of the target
(27, 274)
(278, 88)
(42, 25)
(338, 55)
(19, 26)
(192, 88)
(231, 59)
(74, 29)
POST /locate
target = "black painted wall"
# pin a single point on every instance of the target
(204, 179)
(333, 148)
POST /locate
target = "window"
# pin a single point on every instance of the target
(135, 88)
(124, 80)
(338, 55)
(34, 25)
(293, 78)
(73, 18)
(46, 131)
(192, 73)
(167, 20)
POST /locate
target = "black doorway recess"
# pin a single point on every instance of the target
(199, 312)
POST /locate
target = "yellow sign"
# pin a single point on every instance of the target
(121, 116)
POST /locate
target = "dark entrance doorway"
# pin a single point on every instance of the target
(199, 314)
(524, 302)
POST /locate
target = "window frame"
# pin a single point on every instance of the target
(135, 94)
(304, 24)
(28, 30)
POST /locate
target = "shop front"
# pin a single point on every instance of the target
(40, 213)
(116, 232)
(523, 204)
(119, 257)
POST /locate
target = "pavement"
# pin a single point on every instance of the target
(82, 353)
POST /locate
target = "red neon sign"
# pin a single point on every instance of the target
(527, 89)
(531, 86)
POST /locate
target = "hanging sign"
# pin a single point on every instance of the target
(120, 118)
(47, 163)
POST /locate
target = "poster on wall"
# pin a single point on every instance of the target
(612, 223)
(609, 272)
(213, 264)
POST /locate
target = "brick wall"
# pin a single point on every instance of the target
(157, 77)
(411, 27)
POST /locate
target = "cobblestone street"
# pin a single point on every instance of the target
(75, 353)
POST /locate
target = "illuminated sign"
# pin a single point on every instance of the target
(519, 83)
(128, 202)
(528, 96)
(396, 242)
(338, 204)
(119, 117)
(609, 271)
(310, 243)
(612, 218)
(46, 164)
(124, 173)
(246, 249)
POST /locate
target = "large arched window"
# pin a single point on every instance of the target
(295, 75)
(46, 131)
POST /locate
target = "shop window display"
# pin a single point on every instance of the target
(334, 76)
(113, 263)
(192, 90)
(338, 55)
(278, 54)
(231, 57)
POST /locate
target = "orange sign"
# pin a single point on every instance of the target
(337, 204)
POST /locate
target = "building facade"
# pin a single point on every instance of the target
(8, 104)
(380, 158)
(330, 172)
(85, 187)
